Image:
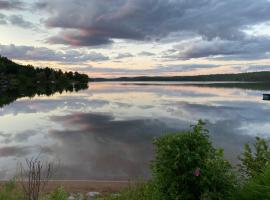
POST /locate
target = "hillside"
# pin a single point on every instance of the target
(243, 77)
(13, 74)
(17, 81)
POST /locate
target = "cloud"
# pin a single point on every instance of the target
(100, 22)
(124, 55)
(116, 149)
(146, 53)
(14, 151)
(155, 71)
(80, 38)
(246, 48)
(10, 4)
(46, 54)
(2, 19)
(16, 20)
(258, 68)
(19, 137)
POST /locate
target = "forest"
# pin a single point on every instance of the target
(13, 74)
(263, 76)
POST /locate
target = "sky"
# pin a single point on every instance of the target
(113, 38)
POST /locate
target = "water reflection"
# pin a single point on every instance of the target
(11, 94)
(106, 132)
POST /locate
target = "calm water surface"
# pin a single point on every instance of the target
(105, 132)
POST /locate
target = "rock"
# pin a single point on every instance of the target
(79, 196)
(92, 194)
(75, 197)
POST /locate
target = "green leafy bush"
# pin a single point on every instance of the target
(256, 161)
(142, 191)
(58, 194)
(188, 167)
(9, 192)
(257, 187)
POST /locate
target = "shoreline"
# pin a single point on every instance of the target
(85, 186)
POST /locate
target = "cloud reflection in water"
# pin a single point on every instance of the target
(106, 132)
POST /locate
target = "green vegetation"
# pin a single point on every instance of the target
(9, 192)
(263, 76)
(142, 191)
(17, 81)
(256, 188)
(188, 167)
(13, 74)
(58, 194)
(255, 171)
(254, 163)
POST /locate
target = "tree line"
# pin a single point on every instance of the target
(14, 74)
(263, 76)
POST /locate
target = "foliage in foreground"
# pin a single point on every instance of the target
(187, 166)
(256, 161)
(143, 191)
(9, 192)
(58, 194)
(256, 188)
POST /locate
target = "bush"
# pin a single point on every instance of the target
(142, 191)
(257, 187)
(9, 192)
(188, 167)
(254, 163)
(58, 194)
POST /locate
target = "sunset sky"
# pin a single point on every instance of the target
(111, 38)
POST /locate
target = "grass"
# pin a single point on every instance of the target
(141, 191)
(10, 192)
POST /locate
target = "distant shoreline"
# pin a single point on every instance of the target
(262, 76)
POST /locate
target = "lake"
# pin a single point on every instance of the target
(105, 132)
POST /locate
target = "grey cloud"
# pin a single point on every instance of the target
(10, 4)
(251, 68)
(19, 137)
(116, 149)
(24, 136)
(46, 54)
(146, 53)
(14, 151)
(247, 48)
(99, 22)
(16, 20)
(81, 38)
(124, 55)
(94, 56)
(2, 19)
